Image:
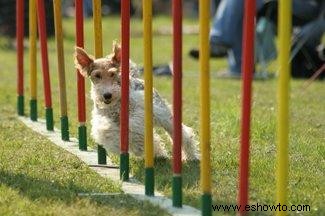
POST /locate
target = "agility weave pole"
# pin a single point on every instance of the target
(98, 44)
(205, 165)
(124, 114)
(177, 103)
(148, 142)
(45, 64)
(61, 70)
(247, 69)
(282, 96)
(32, 59)
(20, 55)
(282, 164)
(82, 130)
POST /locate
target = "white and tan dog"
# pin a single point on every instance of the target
(105, 76)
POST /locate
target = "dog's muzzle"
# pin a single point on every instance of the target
(107, 98)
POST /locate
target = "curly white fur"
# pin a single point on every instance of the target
(106, 112)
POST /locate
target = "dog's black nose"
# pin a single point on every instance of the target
(107, 96)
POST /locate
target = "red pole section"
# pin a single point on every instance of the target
(177, 103)
(177, 86)
(45, 60)
(124, 116)
(80, 78)
(20, 46)
(247, 71)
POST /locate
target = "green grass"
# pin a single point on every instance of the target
(38, 178)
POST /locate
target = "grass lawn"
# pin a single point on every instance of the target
(38, 178)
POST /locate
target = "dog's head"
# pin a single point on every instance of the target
(104, 74)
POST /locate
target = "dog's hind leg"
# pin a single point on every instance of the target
(136, 136)
(159, 148)
(137, 139)
(190, 144)
(163, 118)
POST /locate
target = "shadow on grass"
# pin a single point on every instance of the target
(38, 189)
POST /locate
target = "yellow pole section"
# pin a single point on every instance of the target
(147, 44)
(60, 55)
(97, 17)
(204, 17)
(98, 44)
(283, 101)
(32, 49)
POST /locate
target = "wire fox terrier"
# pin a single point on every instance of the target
(105, 77)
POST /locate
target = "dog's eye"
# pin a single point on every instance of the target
(98, 76)
(110, 74)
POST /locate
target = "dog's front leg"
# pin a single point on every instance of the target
(109, 139)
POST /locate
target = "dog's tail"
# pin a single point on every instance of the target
(163, 118)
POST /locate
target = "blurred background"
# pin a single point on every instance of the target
(109, 7)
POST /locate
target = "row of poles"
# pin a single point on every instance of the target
(37, 18)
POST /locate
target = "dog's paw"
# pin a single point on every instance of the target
(191, 157)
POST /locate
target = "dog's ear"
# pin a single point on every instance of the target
(83, 61)
(116, 52)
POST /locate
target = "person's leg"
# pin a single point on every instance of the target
(226, 33)
(227, 27)
(87, 8)
(227, 22)
(234, 58)
(227, 30)
(213, 6)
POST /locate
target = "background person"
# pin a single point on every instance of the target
(226, 31)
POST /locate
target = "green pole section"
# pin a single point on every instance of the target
(177, 191)
(149, 181)
(65, 128)
(33, 109)
(82, 133)
(49, 118)
(206, 204)
(20, 105)
(101, 152)
(124, 166)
